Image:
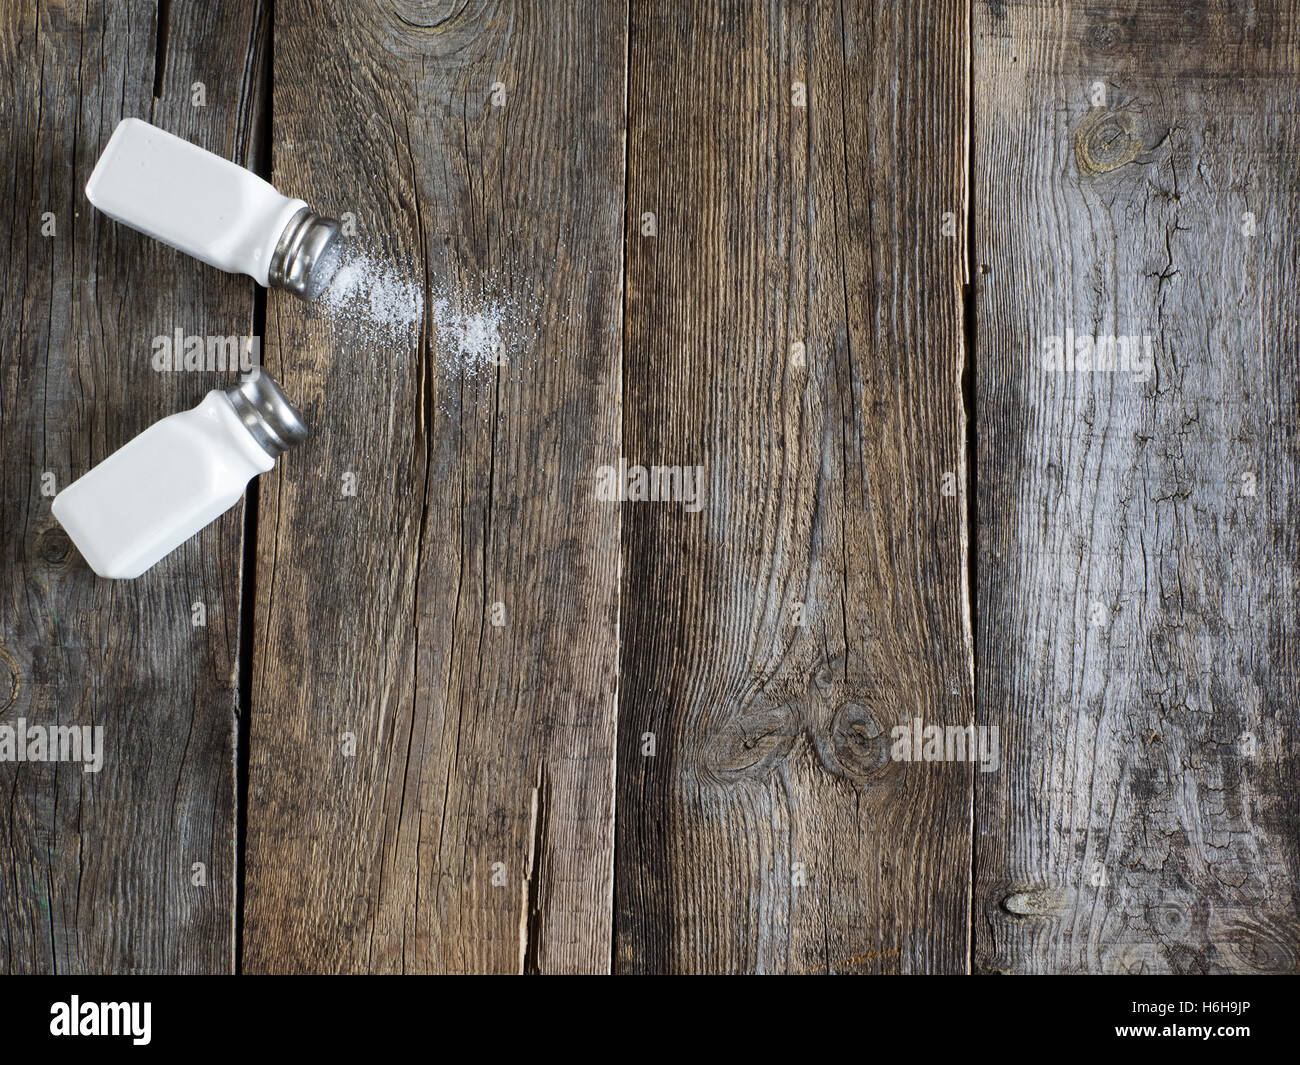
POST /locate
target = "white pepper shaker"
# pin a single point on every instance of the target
(178, 476)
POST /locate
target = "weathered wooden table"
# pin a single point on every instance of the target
(427, 702)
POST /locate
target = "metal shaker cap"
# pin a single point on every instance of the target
(307, 255)
(267, 414)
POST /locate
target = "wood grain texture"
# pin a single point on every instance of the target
(473, 828)
(97, 868)
(451, 663)
(1137, 620)
(818, 599)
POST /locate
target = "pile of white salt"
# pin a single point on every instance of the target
(472, 331)
(377, 298)
(468, 339)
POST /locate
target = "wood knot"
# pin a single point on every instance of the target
(855, 744)
(1167, 918)
(751, 745)
(53, 547)
(1103, 37)
(10, 680)
(1255, 942)
(1105, 141)
(1041, 901)
(827, 673)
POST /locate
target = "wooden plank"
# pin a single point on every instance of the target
(1138, 553)
(773, 639)
(470, 829)
(99, 869)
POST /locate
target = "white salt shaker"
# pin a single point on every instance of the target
(210, 208)
(179, 475)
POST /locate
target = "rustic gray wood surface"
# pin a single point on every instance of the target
(773, 639)
(1136, 176)
(101, 870)
(457, 616)
(452, 710)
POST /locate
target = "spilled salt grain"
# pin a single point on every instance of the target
(479, 324)
(373, 296)
(484, 326)
(471, 338)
